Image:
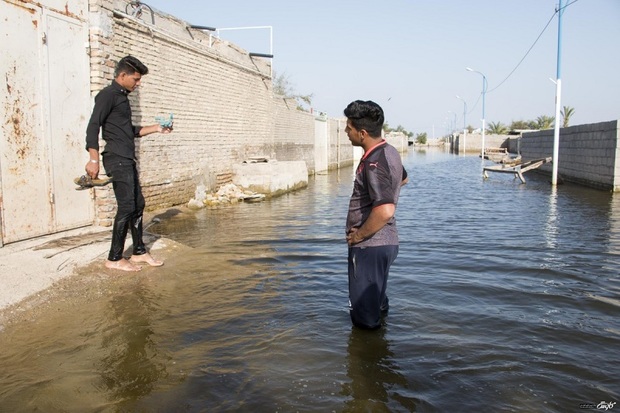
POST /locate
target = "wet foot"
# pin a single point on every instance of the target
(146, 259)
(122, 265)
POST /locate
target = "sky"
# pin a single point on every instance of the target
(410, 56)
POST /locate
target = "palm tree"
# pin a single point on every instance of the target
(519, 124)
(497, 128)
(567, 112)
(545, 122)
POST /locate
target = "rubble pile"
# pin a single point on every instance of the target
(226, 194)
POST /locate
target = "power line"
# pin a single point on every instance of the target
(531, 47)
(526, 53)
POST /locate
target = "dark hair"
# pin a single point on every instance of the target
(130, 65)
(366, 115)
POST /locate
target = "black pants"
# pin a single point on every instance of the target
(130, 203)
(368, 274)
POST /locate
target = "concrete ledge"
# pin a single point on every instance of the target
(271, 178)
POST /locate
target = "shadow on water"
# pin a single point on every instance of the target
(504, 297)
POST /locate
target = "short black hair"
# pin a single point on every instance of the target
(130, 65)
(367, 115)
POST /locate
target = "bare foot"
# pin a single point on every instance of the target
(122, 265)
(147, 259)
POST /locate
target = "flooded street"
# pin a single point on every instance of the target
(504, 298)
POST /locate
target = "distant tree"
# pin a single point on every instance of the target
(470, 129)
(567, 112)
(282, 86)
(497, 128)
(544, 122)
(421, 138)
(519, 125)
(386, 128)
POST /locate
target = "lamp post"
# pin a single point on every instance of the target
(484, 92)
(558, 98)
(453, 125)
(464, 123)
(464, 111)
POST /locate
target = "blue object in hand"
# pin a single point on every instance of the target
(164, 122)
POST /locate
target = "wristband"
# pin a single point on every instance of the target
(93, 161)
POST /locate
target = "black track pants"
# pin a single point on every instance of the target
(368, 275)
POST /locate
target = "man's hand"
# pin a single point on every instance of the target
(352, 238)
(92, 169)
(166, 129)
(379, 216)
(157, 128)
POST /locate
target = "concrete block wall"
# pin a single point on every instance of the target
(397, 140)
(271, 178)
(340, 148)
(472, 143)
(293, 135)
(587, 154)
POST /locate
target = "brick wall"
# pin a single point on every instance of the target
(588, 154)
(222, 100)
(293, 135)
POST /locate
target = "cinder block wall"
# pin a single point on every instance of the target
(472, 143)
(588, 154)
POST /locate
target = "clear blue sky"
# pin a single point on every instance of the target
(410, 55)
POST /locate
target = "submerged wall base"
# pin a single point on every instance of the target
(271, 178)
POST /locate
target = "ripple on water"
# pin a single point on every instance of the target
(503, 298)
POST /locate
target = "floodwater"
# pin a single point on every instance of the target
(504, 298)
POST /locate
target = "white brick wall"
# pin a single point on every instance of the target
(222, 100)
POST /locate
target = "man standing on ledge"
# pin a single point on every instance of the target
(371, 227)
(112, 114)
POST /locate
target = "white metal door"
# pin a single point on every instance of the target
(43, 117)
(69, 106)
(26, 207)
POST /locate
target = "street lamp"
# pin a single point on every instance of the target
(484, 92)
(464, 124)
(453, 128)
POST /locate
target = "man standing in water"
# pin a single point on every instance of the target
(371, 227)
(112, 114)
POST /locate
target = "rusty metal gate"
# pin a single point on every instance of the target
(43, 114)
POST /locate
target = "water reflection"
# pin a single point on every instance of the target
(551, 227)
(376, 382)
(132, 361)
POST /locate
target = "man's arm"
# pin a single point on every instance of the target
(379, 216)
(103, 107)
(157, 128)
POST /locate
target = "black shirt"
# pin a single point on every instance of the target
(112, 113)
